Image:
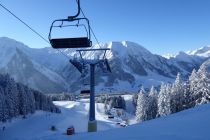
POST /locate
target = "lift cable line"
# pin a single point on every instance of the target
(33, 30)
(94, 35)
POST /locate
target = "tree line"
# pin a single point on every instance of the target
(17, 99)
(111, 102)
(174, 97)
(62, 97)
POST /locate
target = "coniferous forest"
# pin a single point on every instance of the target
(19, 100)
(175, 97)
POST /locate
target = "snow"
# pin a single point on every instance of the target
(168, 56)
(37, 126)
(192, 124)
(129, 104)
(203, 51)
(119, 86)
(50, 74)
(43, 62)
(182, 56)
(7, 50)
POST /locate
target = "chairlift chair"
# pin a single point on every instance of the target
(70, 42)
(85, 87)
(86, 92)
(78, 42)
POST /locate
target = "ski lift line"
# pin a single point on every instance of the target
(24, 23)
(78, 12)
(33, 30)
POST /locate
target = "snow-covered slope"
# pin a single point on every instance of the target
(37, 126)
(192, 124)
(132, 66)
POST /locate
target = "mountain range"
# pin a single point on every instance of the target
(49, 71)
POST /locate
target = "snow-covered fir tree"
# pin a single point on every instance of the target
(177, 95)
(2, 105)
(202, 92)
(153, 103)
(164, 100)
(193, 82)
(187, 99)
(23, 100)
(31, 100)
(142, 106)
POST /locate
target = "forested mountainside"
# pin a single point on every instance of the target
(17, 99)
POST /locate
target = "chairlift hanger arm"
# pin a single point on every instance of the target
(70, 20)
(78, 11)
(104, 54)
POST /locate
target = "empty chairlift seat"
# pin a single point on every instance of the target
(82, 42)
(71, 42)
(85, 92)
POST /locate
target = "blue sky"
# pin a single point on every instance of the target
(161, 26)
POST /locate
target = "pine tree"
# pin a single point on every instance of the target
(187, 100)
(153, 104)
(11, 96)
(164, 105)
(30, 100)
(193, 82)
(202, 93)
(142, 106)
(22, 99)
(177, 95)
(2, 105)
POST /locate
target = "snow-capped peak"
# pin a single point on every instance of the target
(179, 55)
(168, 56)
(11, 43)
(203, 51)
(125, 48)
(182, 56)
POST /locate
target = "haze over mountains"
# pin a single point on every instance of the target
(132, 65)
